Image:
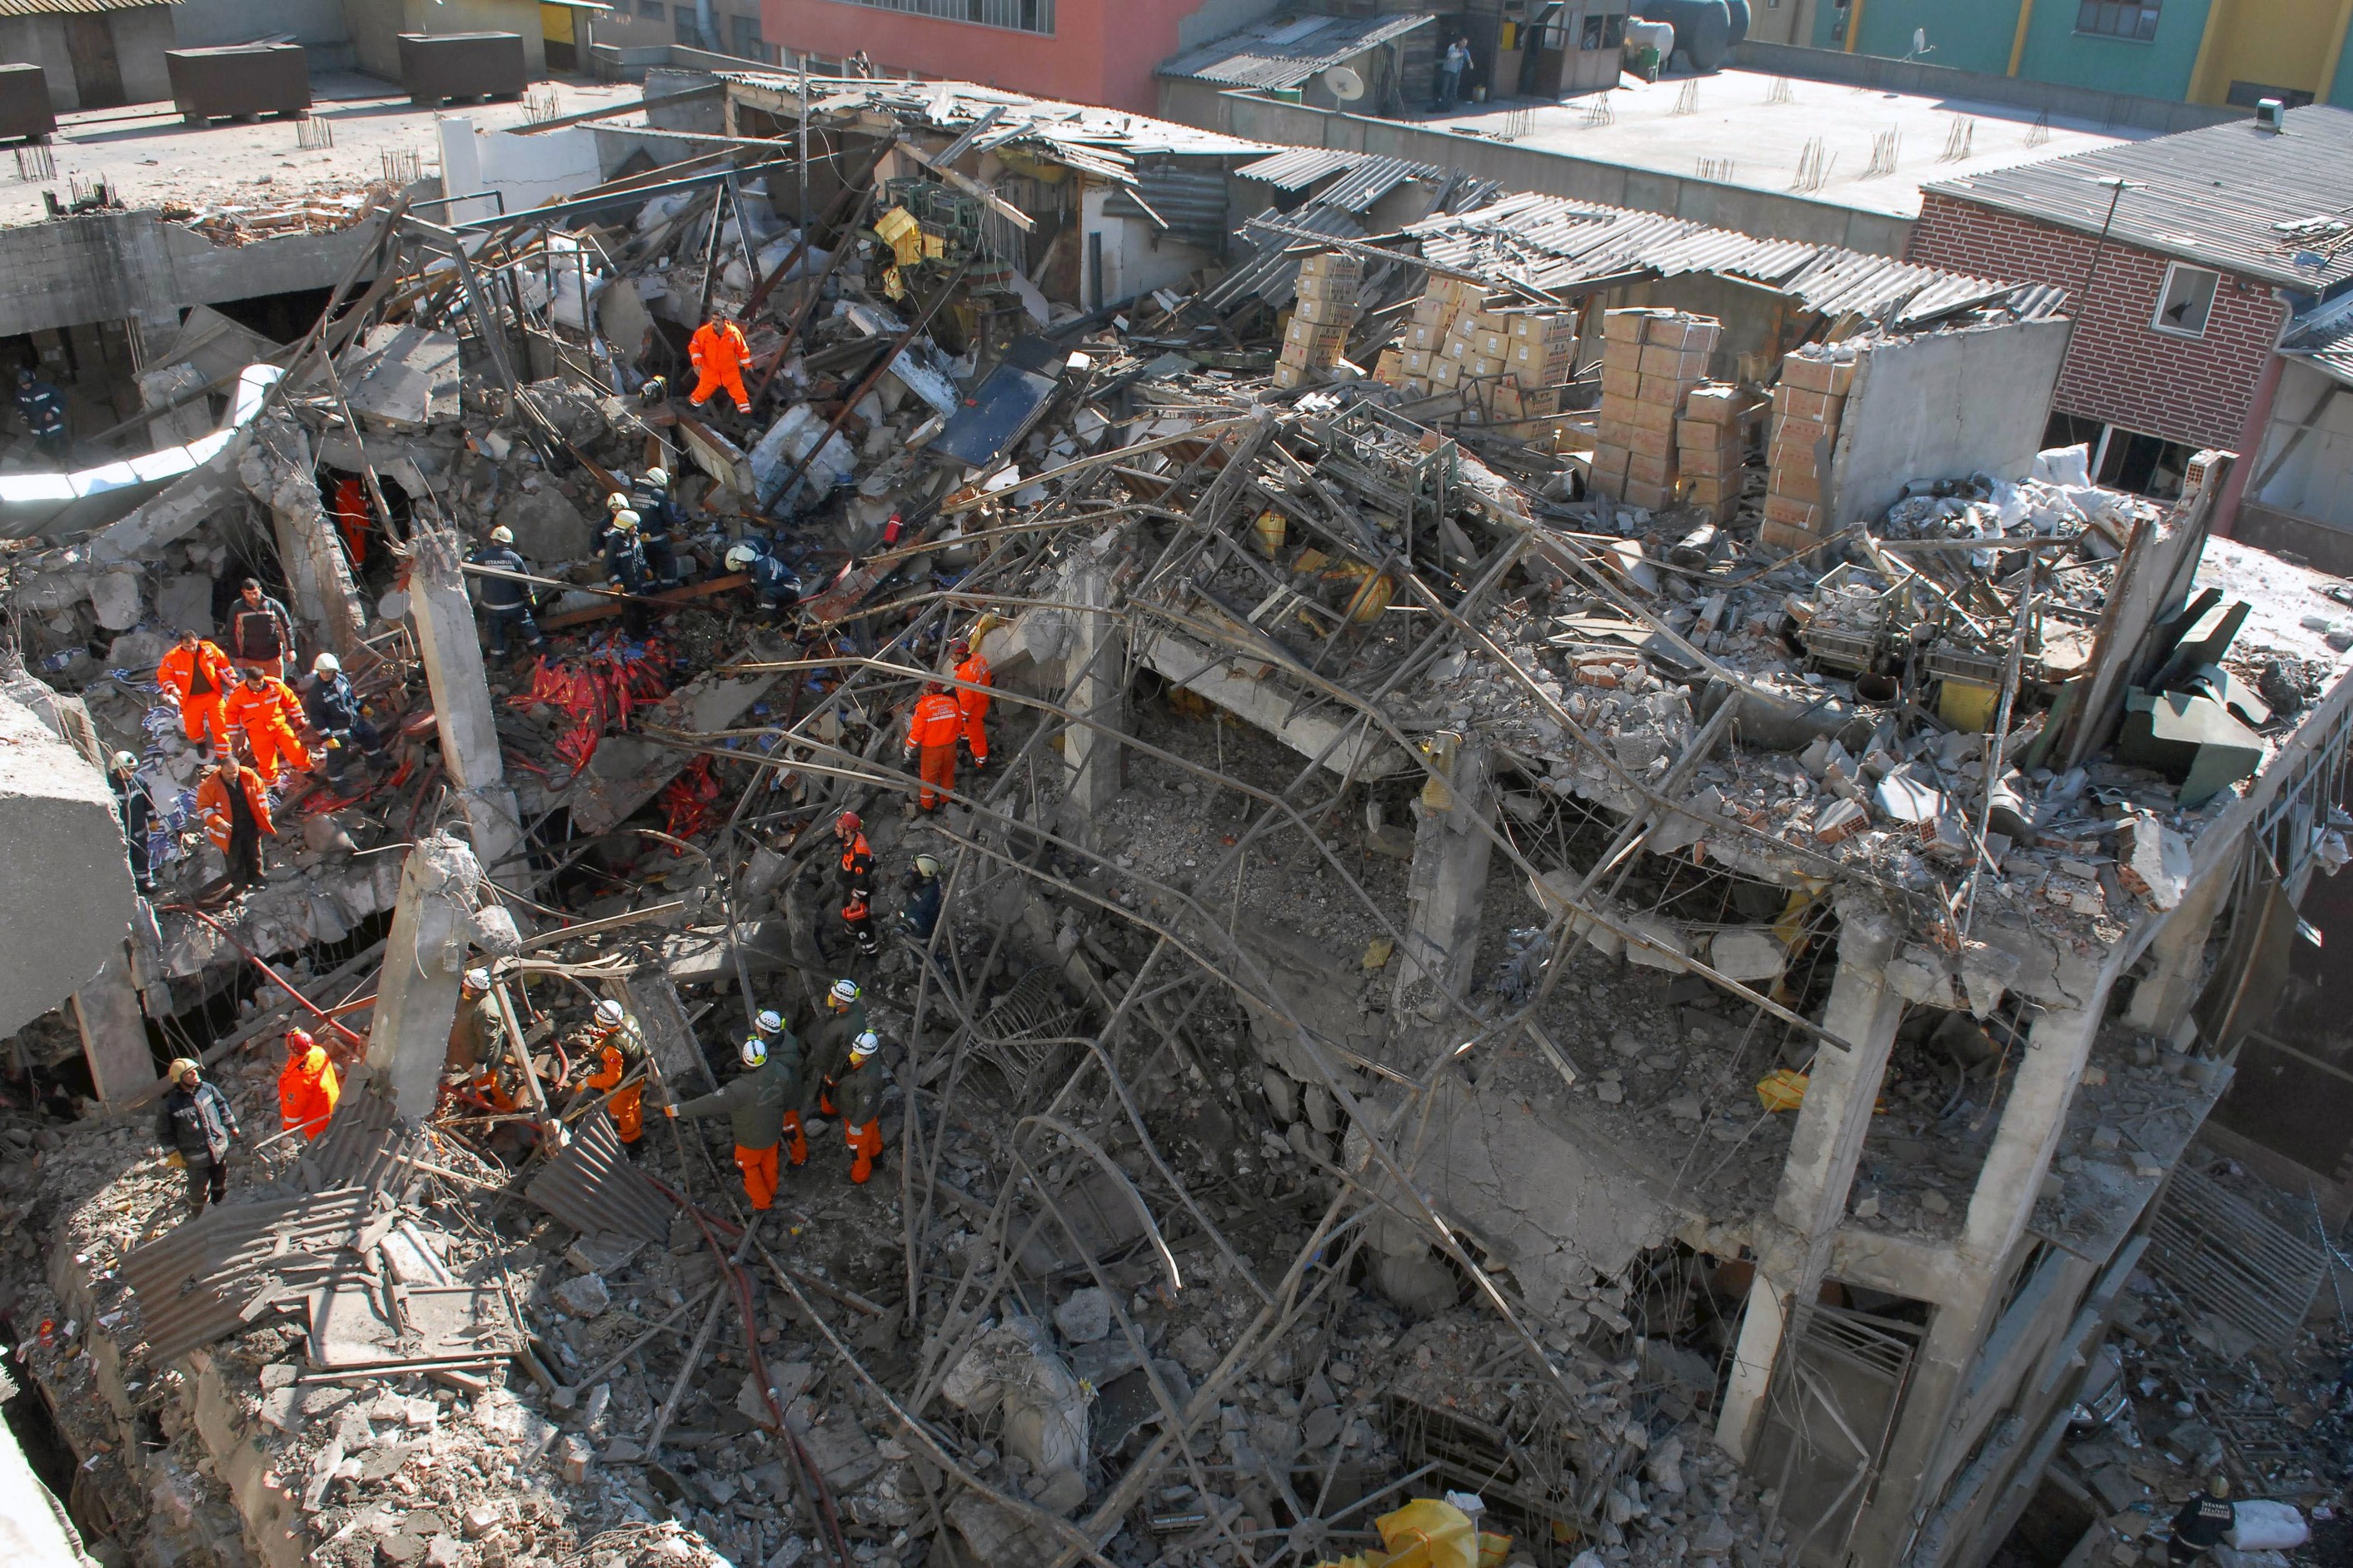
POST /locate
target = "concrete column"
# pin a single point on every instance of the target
(1448, 885)
(2177, 956)
(2041, 1088)
(278, 468)
(452, 653)
(424, 956)
(1096, 691)
(1841, 1088)
(114, 1032)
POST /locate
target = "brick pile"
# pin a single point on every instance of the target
(1320, 322)
(1711, 446)
(1508, 361)
(1650, 360)
(1807, 405)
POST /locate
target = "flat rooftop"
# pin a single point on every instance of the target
(150, 157)
(1743, 137)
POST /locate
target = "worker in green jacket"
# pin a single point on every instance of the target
(754, 1102)
(830, 1039)
(859, 1097)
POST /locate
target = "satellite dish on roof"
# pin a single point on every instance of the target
(1346, 84)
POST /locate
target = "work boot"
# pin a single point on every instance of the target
(801, 1151)
(861, 1169)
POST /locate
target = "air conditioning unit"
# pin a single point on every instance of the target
(2271, 114)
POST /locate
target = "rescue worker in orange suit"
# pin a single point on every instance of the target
(235, 804)
(266, 709)
(973, 670)
(934, 731)
(351, 518)
(856, 880)
(195, 675)
(720, 355)
(754, 1102)
(307, 1087)
(859, 1097)
(617, 1048)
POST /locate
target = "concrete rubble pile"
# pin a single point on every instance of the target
(1408, 972)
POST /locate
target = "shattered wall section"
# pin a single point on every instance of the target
(64, 876)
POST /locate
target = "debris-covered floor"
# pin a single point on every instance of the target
(1388, 914)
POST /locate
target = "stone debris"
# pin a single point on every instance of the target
(1474, 876)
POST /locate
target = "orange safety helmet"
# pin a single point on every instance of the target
(848, 822)
(299, 1041)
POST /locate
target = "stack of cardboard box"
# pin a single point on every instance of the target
(1711, 445)
(1507, 360)
(1806, 406)
(1320, 322)
(1651, 359)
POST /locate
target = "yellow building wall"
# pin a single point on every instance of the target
(2281, 43)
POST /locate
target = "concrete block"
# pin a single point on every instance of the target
(1747, 955)
(63, 867)
(185, 600)
(547, 528)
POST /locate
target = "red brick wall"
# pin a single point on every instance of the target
(2118, 370)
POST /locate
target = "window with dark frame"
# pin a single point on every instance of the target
(2186, 301)
(2131, 19)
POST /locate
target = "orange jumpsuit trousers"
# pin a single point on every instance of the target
(759, 1168)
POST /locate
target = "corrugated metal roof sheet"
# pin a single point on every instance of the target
(2324, 340)
(592, 1186)
(2228, 196)
(1188, 194)
(365, 1144)
(223, 1270)
(1562, 247)
(1288, 50)
(1299, 167)
(74, 8)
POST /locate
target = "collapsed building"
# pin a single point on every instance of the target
(1597, 892)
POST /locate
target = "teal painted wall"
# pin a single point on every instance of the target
(1830, 27)
(2340, 92)
(1963, 35)
(2158, 68)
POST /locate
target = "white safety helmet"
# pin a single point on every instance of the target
(865, 1045)
(617, 502)
(928, 865)
(326, 664)
(741, 556)
(658, 477)
(769, 1022)
(845, 992)
(502, 534)
(126, 762)
(626, 520)
(477, 979)
(754, 1051)
(609, 1012)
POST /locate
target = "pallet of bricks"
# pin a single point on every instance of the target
(1712, 447)
(1808, 404)
(1507, 359)
(1317, 337)
(1650, 361)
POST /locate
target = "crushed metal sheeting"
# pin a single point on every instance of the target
(592, 1186)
